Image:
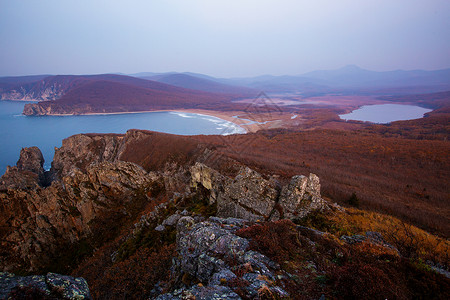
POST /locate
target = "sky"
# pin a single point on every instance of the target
(222, 38)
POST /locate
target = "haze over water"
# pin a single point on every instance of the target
(47, 132)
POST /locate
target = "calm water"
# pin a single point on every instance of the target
(47, 132)
(386, 113)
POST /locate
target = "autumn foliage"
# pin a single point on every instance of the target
(324, 265)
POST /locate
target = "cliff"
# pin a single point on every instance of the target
(48, 88)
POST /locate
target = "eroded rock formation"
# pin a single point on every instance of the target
(29, 172)
(252, 197)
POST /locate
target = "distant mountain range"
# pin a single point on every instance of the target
(199, 82)
(349, 79)
(150, 91)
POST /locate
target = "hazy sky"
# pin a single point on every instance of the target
(221, 37)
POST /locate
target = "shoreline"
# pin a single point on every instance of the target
(15, 100)
(226, 116)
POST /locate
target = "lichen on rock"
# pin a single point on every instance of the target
(52, 286)
(210, 254)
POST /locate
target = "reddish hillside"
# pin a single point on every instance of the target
(7, 83)
(115, 93)
(403, 177)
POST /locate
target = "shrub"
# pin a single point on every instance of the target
(278, 240)
(353, 200)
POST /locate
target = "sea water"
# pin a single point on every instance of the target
(47, 132)
(386, 113)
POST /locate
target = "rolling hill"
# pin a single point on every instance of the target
(70, 94)
(102, 96)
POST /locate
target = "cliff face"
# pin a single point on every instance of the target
(47, 89)
(38, 222)
(90, 186)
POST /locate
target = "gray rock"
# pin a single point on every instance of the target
(171, 220)
(301, 197)
(259, 262)
(209, 251)
(69, 287)
(207, 266)
(160, 228)
(55, 285)
(251, 197)
(222, 276)
(354, 239)
(211, 292)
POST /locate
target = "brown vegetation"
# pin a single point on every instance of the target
(323, 265)
(403, 177)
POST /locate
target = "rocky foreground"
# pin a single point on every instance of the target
(211, 227)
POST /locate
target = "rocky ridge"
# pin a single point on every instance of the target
(90, 185)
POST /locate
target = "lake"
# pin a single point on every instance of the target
(47, 132)
(386, 113)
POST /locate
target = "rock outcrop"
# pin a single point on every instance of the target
(252, 197)
(38, 221)
(50, 286)
(35, 109)
(80, 151)
(211, 254)
(28, 173)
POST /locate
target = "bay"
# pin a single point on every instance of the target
(47, 132)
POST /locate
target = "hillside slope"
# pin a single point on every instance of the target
(108, 93)
(150, 215)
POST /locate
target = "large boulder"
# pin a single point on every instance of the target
(300, 197)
